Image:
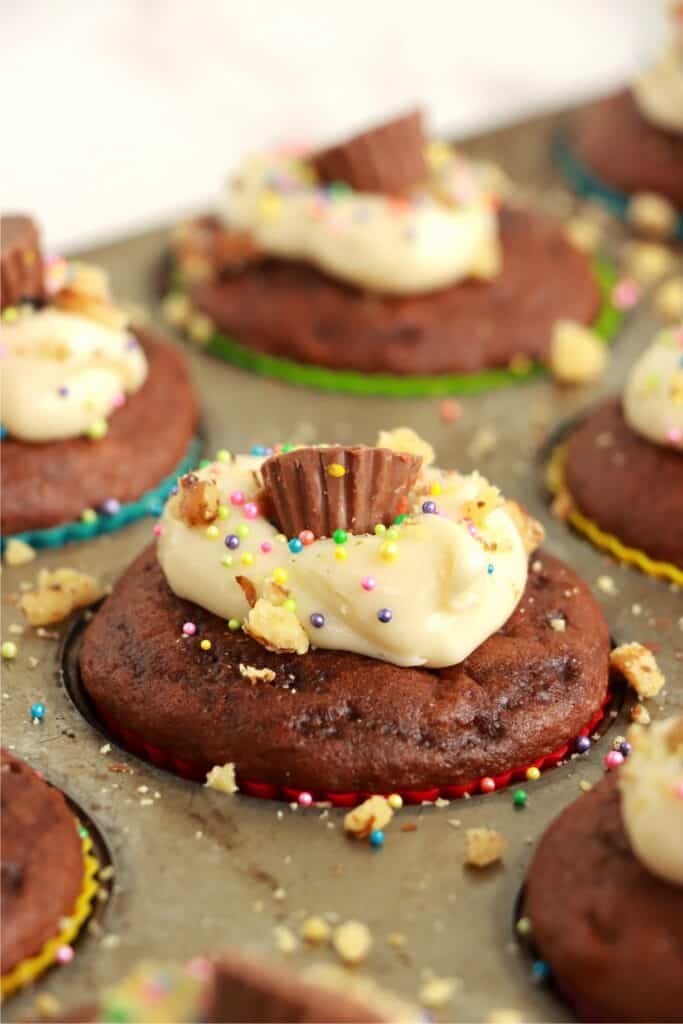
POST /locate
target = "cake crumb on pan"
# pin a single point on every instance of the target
(222, 778)
(57, 594)
(638, 666)
(483, 846)
(352, 941)
(374, 813)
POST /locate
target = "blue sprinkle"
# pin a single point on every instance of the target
(258, 449)
(490, 568)
(540, 971)
(3, 432)
(37, 712)
(295, 545)
(377, 837)
(155, 507)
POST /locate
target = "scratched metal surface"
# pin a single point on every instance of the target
(195, 869)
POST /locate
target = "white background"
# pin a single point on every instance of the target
(117, 114)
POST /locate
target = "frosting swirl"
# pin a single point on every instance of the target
(651, 784)
(445, 232)
(426, 592)
(653, 396)
(63, 372)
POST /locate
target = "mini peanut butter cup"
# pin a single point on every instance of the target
(388, 159)
(21, 261)
(338, 488)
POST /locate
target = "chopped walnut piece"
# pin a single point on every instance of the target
(257, 675)
(276, 627)
(638, 666)
(577, 355)
(530, 530)
(197, 500)
(18, 552)
(652, 214)
(222, 778)
(352, 941)
(640, 715)
(479, 509)
(668, 299)
(483, 846)
(403, 439)
(57, 594)
(373, 813)
(87, 294)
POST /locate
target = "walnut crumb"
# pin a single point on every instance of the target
(276, 627)
(222, 778)
(373, 813)
(57, 594)
(437, 992)
(285, 940)
(257, 675)
(558, 624)
(352, 941)
(577, 354)
(606, 585)
(638, 666)
(197, 500)
(483, 846)
(640, 715)
(316, 930)
(18, 552)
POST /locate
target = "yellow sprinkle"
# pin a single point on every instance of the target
(247, 558)
(334, 469)
(97, 429)
(395, 801)
(341, 554)
(10, 314)
(223, 455)
(289, 604)
(205, 645)
(533, 773)
(212, 532)
(269, 205)
(223, 512)
(280, 538)
(280, 576)
(435, 488)
(388, 551)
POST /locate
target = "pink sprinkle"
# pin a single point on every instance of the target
(626, 293)
(613, 760)
(450, 411)
(65, 954)
(306, 537)
(119, 400)
(679, 336)
(237, 498)
(368, 583)
(189, 629)
(679, 789)
(266, 547)
(251, 510)
(675, 435)
(158, 530)
(199, 967)
(305, 799)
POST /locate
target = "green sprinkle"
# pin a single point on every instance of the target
(393, 533)
(519, 798)
(340, 536)
(223, 455)
(89, 516)
(8, 650)
(97, 429)
(287, 448)
(400, 518)
(226, 561)
(289, 604)
(242, 530)
(83, 832)
(234, 624)
(204, 463)
(523, 926)
(380, 529)
(223, 512)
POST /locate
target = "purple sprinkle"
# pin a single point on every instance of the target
(583, 744)
(174, 490)
(385, 615)
(625, 748)
(110, 507)
(62, 392)
(317, 620)
(132, 341)
(232, 541)
(429, 507)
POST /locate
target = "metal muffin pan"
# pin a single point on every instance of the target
(195, 869)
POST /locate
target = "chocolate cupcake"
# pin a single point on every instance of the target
(381, 265)
(242, 989)
(419, 658)
(604, 895)
(80, 390)
(48, 875)
(619, 477)
(627, 149)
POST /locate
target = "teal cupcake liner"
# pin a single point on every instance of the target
(585, 183)
(150, 504)
(232, 351)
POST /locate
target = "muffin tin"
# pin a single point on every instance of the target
(196, 869)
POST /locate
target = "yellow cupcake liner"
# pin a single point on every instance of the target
(555, 482)
(28, 970)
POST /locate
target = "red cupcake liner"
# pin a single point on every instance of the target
(270, 791)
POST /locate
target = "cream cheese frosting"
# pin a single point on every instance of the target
(651, 784)
(62, 373)
(426, 592)
(446, 231)
(653, 396)
(658, 90)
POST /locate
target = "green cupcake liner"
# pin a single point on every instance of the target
(585, 183)
(149, 504)
(232, 351)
